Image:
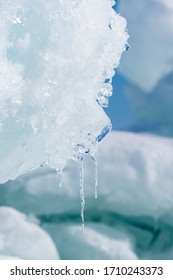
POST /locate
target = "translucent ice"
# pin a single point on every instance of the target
(57, 61)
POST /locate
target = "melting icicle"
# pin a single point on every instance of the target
(96, 175)
(82, 196)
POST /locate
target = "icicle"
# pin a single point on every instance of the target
(82, 195)
(96, 175)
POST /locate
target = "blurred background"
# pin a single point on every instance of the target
(133, 215)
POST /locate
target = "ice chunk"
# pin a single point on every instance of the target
(19, 238)
(99, 242)
(55, 57)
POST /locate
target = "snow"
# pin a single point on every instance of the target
(99, 242)
(151, 39)
(21, 239)
(57, 61)
(8, 258)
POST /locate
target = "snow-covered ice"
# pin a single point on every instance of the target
(19, 238)
(99, 242)
(57, 61)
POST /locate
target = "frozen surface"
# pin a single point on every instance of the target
(151, 40)
(57, 61)
(20, 238)
(99, 242)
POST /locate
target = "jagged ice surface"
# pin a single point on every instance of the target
(57, 61)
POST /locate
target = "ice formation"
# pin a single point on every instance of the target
(57, 61)
(135, 195)
(135, 179)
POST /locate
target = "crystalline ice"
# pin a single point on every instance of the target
(55, 57)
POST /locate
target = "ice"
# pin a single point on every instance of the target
(135, 179)
(82, 193)
(96, 176)
(57, 61)
(135, 194)
(19, 238)
(151, 40)
(99, 242)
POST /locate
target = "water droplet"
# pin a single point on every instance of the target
(82, 195)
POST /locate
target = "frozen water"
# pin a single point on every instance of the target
(57, 61)
(135, 193)
(135, 178)
(19, 238)
(82, 194)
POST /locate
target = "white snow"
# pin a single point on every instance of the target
(151, 38)
(57, 61)
(8, 258)
(99, 242)
(19, 238)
